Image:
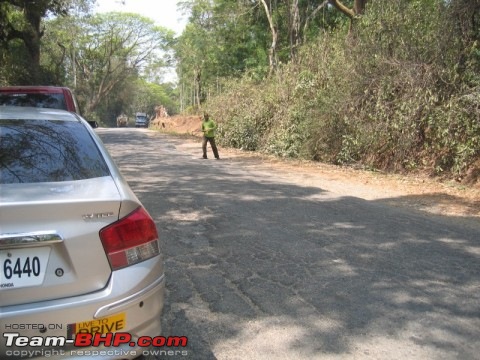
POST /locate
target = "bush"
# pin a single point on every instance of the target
(397, 93)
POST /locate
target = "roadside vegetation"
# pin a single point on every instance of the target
(389, 85)
(397, 90)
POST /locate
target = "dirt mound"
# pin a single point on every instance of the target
(178, 124)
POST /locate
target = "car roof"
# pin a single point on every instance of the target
(33, 89)
(35, 113)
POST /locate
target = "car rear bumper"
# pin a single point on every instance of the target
(136, 293)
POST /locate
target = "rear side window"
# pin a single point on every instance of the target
(52, 101)
(42, 151)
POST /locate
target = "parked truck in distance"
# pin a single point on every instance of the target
(122, 120)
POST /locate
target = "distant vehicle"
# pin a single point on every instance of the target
(122, 120)
(53, 97)
(141, 120)
(79, 253)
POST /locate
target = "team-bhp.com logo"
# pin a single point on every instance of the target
(84, 340)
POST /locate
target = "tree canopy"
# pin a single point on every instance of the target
(22, 20)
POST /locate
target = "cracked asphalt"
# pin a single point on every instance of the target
(261, 264)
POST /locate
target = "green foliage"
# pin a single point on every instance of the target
(147, 96)
(248, 117)
(14, 64)
(137, 95)
(407, 86)
(21, 26)
(454, 133)
(103, 56)
(288, 137)
(395, 93)
(223, 39)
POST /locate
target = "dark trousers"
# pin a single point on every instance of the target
(211, 140)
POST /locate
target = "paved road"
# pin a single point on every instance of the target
(261, 267)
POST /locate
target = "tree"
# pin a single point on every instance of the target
(114, 49)
(148, 96)
(227, 38)
(224, 38)
(21, 19)
(357, 9)
(354, 12)
(272, 53)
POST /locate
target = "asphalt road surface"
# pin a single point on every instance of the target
(260, 266)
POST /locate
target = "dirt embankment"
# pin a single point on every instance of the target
(190, 125)
(418, 191)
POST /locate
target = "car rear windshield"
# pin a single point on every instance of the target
(43, 151)
(52, 101)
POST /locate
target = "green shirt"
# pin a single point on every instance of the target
(208, 128)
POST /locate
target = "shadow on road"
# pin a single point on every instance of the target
(259, 268)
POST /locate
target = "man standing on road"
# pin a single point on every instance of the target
(208, 128)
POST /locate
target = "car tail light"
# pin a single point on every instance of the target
(130, 240)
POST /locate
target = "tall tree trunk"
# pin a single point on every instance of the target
(294, 25)
(272, 52)
(198, 87)
(31, 38)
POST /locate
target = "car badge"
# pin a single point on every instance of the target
(96, 216)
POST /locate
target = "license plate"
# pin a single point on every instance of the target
(104, 325)
(23, 267)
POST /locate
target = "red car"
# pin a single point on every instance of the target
(55, 97)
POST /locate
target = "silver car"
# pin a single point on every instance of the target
(141, 120)
(81, 274)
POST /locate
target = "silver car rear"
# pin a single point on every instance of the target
(78, 252)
